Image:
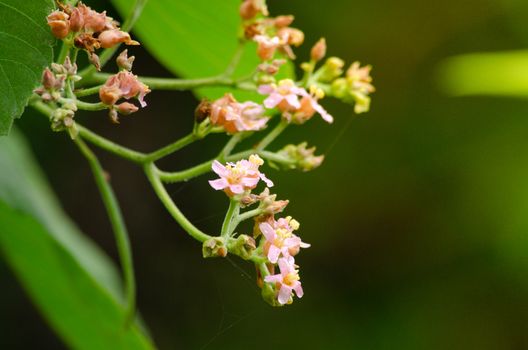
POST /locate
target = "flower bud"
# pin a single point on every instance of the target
(126, 108)
(248, 10)
(214, 247)
(125, 62)
(318, 51)
(291, 36)
(332, 68)
(112, 37)
(301, 157)
(94, 59)
(283, 21)
(48, 79)
(113, 116)
(59, 24)
(202, 111)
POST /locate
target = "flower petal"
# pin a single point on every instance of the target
(298, 290)
(268, 182)
(273, 254)
(267, 231)
(273, 278)
(293, 101)
(284, 294)
(273, 100)
(219, 168)
(219, 184)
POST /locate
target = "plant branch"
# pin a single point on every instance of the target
(230, 218)
(169, 149)
(163, 195)
(118, 226)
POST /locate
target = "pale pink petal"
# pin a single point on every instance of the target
(298, 289)
(319, 109)
(305, 245)
(265, 89)
(284, 294)
(267, 231)
(236, 189)
(273, 100)
(273, 278)
(293, 101)
(250, 181)
(273, 254)
(286, 265)
(268, 182)
(219, 168)
(219, 184)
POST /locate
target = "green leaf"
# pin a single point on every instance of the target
(496, 74)
(25, 49)
(195, 38)
(74, 285)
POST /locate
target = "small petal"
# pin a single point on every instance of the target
(268, 182)
(218, 184)
(218, 168)
(298, 290)
(273, 254)
(267, 231)
(284, 294)
(273, 278)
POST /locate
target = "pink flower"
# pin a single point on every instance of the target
(123, 85)
(285, 97)
(237, 178)
(236, 117)
(280, 239)
(287, 281)
(267, 46)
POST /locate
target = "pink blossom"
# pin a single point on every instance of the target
(280, 239)
(237, 178)
(235, 116)
(285, 97)
(287, 281)
(123, 85)
(267, 46)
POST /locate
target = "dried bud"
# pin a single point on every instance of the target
(59, 24)
(250, 8)
(252, 30)
(300, 157)
(94, 59)
(126, 108)
(109, 94)
(318, 51)
(76, 20)
(113, 116)
(243, 246)
(283, 21)
(87, 42)
(125, 62)
(112, 37)
(214, 247)
(203, 111)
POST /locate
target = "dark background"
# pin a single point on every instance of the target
(417, 219)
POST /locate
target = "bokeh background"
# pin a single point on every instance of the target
(418, 217)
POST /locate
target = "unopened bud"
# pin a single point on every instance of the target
(318, 51)
(113, 116)
(332, 68)
(126, 108)
(202, 111)
(283, 21)
(248, 10)
(94, 59)
(112, 37)
(48, 79)
(243, 246)
(125, 62)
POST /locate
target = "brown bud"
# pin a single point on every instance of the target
(203, 111)
(112, 37)
(125, 62)
(318, 51)
(59, 24)
(252, 30)
(87, 42)
(214, 247)
(109, 94)
(292, 36)
(126, 108)
(94, 59)
(283, 21)
(114, 117)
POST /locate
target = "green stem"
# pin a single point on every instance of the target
(248, 215)
(173, 147)
(155, 83)
(272, 135)
(277, 158)
(107, 54)
(163, 195)
(86, 106)
(112, 147)
(118, 226)
(232, 213)
(89, 91)
(230, 145)
(64, 52)
(230, 69)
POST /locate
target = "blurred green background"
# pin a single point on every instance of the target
(418, 218)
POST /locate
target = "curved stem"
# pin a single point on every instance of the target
(163, 195)
(272, 135)
(63, 53)
(230, 218)
(248, 215)
(118, 226)
(112, 147)
(87, 92)
(169, 149)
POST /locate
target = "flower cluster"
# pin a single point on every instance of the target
(87, 29)
(235, 116)
(123, 85)
(278, 244)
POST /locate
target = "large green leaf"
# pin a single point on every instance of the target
(495, 73)
(25, 49)
(194, 38)
(70, 280)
